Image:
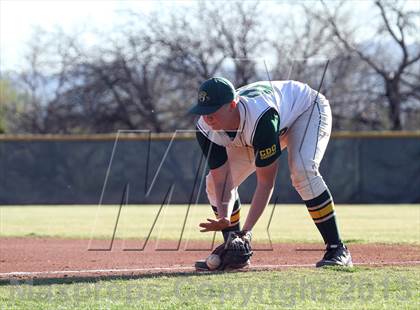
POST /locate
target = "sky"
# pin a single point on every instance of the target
(19, 17)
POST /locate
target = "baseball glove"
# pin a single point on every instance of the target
(236, 251)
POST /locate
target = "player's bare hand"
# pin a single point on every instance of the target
(215, 225)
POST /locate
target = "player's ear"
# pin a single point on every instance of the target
(233, 105)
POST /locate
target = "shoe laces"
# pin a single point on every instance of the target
(333, 251)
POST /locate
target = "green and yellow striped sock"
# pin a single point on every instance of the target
(321, 209)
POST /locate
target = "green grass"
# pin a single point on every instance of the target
(331, 288)
(358, 288)
(290, 223)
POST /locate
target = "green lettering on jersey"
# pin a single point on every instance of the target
(255, 90)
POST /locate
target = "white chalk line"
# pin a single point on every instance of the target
(175, 269)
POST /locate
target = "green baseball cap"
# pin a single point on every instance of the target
(213, 94)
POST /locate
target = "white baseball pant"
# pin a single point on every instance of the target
(306, 141)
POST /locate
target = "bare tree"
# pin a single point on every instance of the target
(396, 68)
(240, 35)
(203, 42)
(145, 74)
(187, 53)
(304, 49)
(83, 91)
(43, 81)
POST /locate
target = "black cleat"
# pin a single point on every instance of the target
(201, 265)
(336, 255)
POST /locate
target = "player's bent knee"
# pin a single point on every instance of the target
(308, 184)
(301, 175)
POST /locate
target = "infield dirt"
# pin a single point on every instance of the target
(23, 258)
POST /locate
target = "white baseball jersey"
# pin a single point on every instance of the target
(289, 98)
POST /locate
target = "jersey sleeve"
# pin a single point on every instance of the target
(216, 155)
(266, 139)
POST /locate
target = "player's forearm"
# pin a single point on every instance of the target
(260, 200)
(224, 190)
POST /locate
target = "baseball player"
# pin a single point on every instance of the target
(244, 131)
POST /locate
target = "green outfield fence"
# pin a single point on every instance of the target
(361, 167)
